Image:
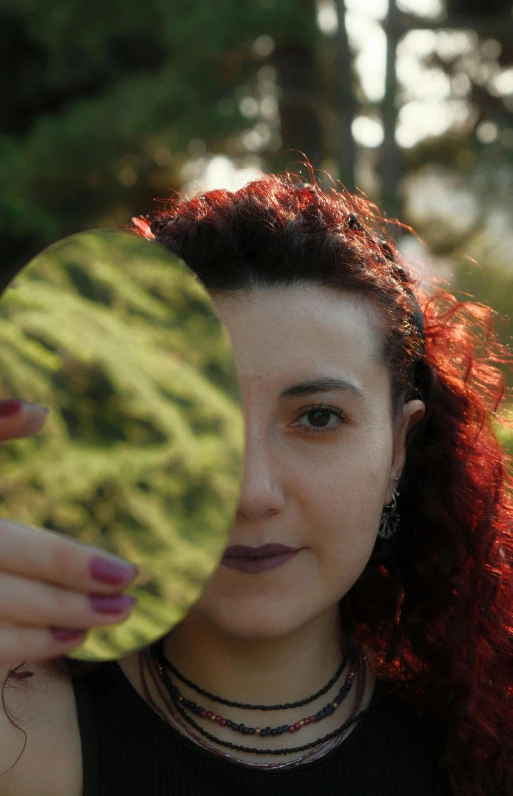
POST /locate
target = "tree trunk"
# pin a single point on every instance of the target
(295, 63)
(345, 100)
(295, 60)
(391, 166)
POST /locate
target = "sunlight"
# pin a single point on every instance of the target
(368, 39)
(503, 82)
(371, 9)
(431, 103)
(422, 8)
(217, 172)
(327, 18)
(368, 131)
(420, 119)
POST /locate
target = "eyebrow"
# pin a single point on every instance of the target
(323, 384)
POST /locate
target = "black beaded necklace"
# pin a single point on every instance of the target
(166, 664)
(176, 721)
(163, 674)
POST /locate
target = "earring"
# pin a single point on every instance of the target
(389, 518)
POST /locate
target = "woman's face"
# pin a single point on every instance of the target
(315, 479)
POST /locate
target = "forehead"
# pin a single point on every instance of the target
(288, 331)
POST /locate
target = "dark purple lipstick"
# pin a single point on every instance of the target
(257, 559)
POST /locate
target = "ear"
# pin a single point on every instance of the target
(413, 412)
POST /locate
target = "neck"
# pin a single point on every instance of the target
(257, 671)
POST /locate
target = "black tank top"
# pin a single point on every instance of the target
(129, 750)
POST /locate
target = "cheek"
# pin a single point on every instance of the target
(342, 497)
(345, 535)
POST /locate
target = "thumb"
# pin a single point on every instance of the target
(20, 419)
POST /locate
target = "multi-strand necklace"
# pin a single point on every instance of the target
(159, 668)
(182, 703)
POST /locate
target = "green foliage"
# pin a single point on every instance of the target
(102, 100)
(505, 435)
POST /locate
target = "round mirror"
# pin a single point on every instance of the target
(142, 450)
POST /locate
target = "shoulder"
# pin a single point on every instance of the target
(38, 723)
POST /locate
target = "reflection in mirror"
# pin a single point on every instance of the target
(142, 450)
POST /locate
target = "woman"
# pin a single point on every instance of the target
(358, 635)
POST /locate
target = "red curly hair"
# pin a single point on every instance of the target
(436, 603)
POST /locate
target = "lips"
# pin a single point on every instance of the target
(254, 560)
(265, 550)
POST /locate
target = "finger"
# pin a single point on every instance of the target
(35, 644)
(32, 604)
(53, 558)
(20, 419)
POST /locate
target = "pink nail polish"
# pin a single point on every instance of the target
(105, 570)
(111, 605)
(10, 408)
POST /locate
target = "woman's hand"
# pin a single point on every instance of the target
(52, 588)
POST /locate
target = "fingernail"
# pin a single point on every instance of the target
(35, 408)
(65, 634)
(10, 408)
(111, 605)
(105, 570)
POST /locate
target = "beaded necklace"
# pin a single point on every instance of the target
(185, 730)
(312, 751)
(228, 744)
(198, 710)
(159, 648)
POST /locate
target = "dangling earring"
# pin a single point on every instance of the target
(389, 518)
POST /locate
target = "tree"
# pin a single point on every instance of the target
(104, 103)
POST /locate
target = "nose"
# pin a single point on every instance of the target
(262, 491)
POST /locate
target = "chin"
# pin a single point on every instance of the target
(244, 621)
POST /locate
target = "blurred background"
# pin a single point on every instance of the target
(109, 106)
